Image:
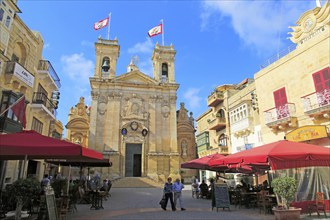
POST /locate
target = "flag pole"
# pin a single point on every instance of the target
(109, 26)
(12, 105)
(162, 31)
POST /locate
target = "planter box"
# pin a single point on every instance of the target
(285, 214)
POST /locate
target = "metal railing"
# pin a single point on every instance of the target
(316, 100)
(278, 56)
(45, 65)
(41, 98)
(279, 113)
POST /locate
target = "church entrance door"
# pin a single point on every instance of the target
(133, 160)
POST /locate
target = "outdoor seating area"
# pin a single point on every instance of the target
(301, 162)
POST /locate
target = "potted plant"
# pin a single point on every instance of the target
(285, 189)
(22, 191)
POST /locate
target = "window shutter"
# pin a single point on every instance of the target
(280, 97)
(322, 80)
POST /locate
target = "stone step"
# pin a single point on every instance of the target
(136, 182)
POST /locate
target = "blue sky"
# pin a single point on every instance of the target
(217, 42)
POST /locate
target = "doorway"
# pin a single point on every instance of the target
(133, 160)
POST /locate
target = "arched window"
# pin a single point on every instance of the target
(164, 70)
(7, 22)
(222, 140)
(221, 114)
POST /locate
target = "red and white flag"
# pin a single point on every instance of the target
(101, 24)
(19, 111)
(156, 30)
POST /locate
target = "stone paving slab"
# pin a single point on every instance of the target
(143, 203)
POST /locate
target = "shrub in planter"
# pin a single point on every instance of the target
(23, 191)
(285, 188)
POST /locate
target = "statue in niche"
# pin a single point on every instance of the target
(184, 146)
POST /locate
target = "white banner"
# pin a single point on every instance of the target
(23, 75)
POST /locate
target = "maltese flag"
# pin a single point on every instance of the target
(101, 24)
(156, 30)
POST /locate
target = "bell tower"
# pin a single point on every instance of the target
(107, 53)
(163, 59)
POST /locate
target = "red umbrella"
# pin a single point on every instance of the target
(280, 155)
(202, 163)
(32, 145)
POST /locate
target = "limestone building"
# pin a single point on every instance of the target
(294, 91)
(25, 73)
(133, 118)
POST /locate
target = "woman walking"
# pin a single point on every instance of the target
(168, 192)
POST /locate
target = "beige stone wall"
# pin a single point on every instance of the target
(294, 72)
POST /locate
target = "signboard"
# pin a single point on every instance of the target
(23, 75)
(221, 196)
(306, 133)
(51, 206)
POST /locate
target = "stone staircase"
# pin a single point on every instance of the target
(136, 182)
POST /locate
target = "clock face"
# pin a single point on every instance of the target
(308, 24)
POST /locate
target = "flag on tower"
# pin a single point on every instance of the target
(156, 30)
(101, 24)
(18, 109)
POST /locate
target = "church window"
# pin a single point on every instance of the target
(164, 71)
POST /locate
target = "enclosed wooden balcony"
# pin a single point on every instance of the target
(282, 117)
(215, 99)
(317, 104)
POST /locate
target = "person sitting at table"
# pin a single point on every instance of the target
(265, 184)
(104, 186)
(203, 189)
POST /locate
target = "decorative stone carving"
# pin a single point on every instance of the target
(165, 111)
(184, 146)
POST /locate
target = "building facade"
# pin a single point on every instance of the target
(294, 91)
(133, 117)
(25, 74)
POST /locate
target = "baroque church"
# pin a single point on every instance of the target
(133, 119)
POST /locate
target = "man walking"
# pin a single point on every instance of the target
(177, 189)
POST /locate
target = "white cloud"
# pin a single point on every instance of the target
(258, 23)
(77, 67)
(192, 97)
(144, 47)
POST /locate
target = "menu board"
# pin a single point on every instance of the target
(221, 196)
(51, 206)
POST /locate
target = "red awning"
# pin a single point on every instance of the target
(202, 163)
(280, 155)
(36, 146)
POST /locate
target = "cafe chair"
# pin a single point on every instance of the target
(320, 204)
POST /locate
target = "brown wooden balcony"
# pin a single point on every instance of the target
(317, 104)
(281, 117)
(215, 99)
(217, 124)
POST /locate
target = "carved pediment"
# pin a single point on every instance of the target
(136, 77)
(310, 24)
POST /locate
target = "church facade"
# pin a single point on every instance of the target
(133, 118)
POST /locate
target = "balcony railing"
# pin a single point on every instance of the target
(41, 98)
(46, 66)
(217, 123)
(316, 102)
(215, 99)
(277, 56)
(280, 113)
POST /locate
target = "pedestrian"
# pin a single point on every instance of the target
(168, 193)
(44, 183)
(177, 189)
